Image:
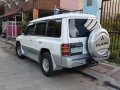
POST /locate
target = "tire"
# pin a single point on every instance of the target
(18, 51)
(47, 65)
(98, 44)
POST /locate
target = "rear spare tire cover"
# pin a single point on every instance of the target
(98, 43)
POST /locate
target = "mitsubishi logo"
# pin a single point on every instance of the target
(103, 43)
(102, 38)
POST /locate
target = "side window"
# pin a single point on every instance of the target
(54, 28)
(30, 30)
(40, 28)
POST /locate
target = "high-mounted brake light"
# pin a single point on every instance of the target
(65, 50)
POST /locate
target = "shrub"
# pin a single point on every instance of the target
(27, 16)
(112, 24)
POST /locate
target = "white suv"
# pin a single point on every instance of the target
(64, 41)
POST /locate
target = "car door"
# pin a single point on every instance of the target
(79, 30)
(27, 40)
(38, 39)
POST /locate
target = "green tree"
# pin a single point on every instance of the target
(2, 7)
(27, 16)
(1, 13)
(118, 17)
(112, 25)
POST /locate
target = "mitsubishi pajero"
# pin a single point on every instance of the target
(64, 41)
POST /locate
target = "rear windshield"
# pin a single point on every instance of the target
(82, 27)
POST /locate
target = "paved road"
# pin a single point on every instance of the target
(17, 74)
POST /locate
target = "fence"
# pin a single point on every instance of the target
(11, 28)
(110, 19)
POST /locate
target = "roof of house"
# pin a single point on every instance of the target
(10, 13)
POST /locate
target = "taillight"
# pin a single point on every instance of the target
(65, 50)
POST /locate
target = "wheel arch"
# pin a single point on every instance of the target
(43, 50)
(17, 42)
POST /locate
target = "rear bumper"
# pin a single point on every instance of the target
(74, 61)
(79, 60)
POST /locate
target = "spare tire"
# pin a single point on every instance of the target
(98, 43)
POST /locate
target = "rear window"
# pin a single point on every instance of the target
(82, 27)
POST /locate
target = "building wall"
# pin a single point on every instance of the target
(80, 4)
(71, 4)
(45, 7)
(61, 4)
(49, 4)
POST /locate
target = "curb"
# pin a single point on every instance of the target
(107, 80)
(10, 43)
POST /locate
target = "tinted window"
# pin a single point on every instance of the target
(81, 27)
(40, 28)
(30, 30)
(54, 28)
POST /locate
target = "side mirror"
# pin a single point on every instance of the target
(22, 32)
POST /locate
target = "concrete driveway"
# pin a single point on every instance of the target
(18, 74)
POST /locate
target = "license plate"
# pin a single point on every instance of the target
(76, 49)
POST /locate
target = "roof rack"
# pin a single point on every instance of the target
(71, 11)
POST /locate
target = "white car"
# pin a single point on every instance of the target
(64, 41)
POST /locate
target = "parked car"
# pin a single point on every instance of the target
(3, 34)
(64, 41)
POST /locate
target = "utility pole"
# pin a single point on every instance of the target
(35, 9)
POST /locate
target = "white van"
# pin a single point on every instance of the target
(64, 41)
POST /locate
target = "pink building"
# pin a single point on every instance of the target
(71, 4)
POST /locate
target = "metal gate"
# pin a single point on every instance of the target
(11, 28)
(110, 19)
